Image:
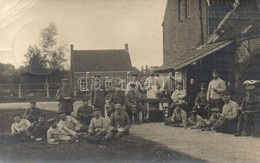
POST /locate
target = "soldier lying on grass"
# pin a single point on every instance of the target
(19, 127)
(59, 133)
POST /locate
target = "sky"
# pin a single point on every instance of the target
(87, 24)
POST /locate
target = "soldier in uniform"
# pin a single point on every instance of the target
(191, 95)
(32, 113)
(119, 123)
(19, 127)
(38, 129)
(97, 94)
(169, 85)
(98, 126)
(178, 118)
(132, 105)
(217, 87)
(84, 114)
(201, 102)
(65, 97)
(178, 96)
(212, 120)
(59, 133)
(195, 121)
(71, 123)
(117, 97)
(250, 115)
(228, 117)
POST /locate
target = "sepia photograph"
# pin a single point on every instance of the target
(130, 81)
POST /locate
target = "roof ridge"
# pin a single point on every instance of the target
(102, 50)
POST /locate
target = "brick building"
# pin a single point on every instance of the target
(112, 65)
(200, 35)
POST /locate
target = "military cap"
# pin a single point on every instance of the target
(85, 98)
(61, 112)
(203, 85)
(32, 102)
(179, 103)
(215, 71)
(250, 87)
(193, 112)
(42, 115)
(134, 75)
(17, 114)
(65, 80)
(215, 110)
(96, 110)
(50, 121)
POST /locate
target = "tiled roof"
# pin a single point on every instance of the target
(242, 20)
(101, 60)
(195, 54)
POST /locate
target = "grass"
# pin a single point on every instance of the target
(127, 149)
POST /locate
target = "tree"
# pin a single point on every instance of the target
(36, 62)
(55, 54)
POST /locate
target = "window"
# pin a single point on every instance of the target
(180, 16)
(187, 8)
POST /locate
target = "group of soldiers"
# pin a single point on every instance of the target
(211, 109)
(89, 124)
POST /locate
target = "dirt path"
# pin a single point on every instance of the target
(206, 145)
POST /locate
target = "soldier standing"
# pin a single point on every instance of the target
(97, 94)
(65, 97)
(217, 87)
(250, 113)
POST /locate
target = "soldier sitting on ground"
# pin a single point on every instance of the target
(19, 127)
(212, 120)
(32, 113)
(195, 121)
(84, 114)
(59, 133)
(178, 118)
(119, 123)
(71, 123)
(98, 126)
(250, 117)
(228, 117)
(117, 97)
(38, 129)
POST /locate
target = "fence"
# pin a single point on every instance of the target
(25, 91)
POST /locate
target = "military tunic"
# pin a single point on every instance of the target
(65, 98)
(32, 114)
(84, 114)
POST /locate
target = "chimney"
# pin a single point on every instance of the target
(126, 47)
(71, 47)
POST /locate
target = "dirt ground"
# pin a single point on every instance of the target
(206, 145)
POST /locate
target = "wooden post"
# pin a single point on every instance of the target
(20, 91)
(47, 90)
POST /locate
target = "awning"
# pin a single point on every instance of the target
(243, 19)
(194, 55)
